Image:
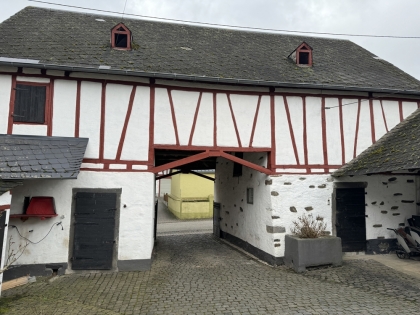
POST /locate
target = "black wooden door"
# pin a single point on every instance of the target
(94, 226)
(350, 218)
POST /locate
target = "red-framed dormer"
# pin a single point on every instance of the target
(121, 37)
(302, 55)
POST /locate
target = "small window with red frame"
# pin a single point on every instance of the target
(304, 55)
(120, 37)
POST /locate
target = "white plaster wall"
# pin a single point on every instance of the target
(349, 126)
(32, 130)
(5, 89)
(262, 134)
(284, 152)
(244, 108)
(392, 113)
(295, 195)
(408, 108)
(379, 121)
(281, 201)
(384, 204)
(136, 144)
(164, 131)
(245, 221)
(226, 134)
(296, 119)
(64, 108)
(90, 116)
(203, 134)
(5, 199)
(135, 239)
(116, 105)
(314, 130)
(185, 104)
(332, 124)
(364, 134)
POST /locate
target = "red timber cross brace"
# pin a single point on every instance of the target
(211, 153)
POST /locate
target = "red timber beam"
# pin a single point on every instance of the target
(176, 164)
(167, 175)
(246, 163)
(206, 154)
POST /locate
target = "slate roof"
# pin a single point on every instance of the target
(27, 157)
(63, 38)
(7, 185)
(397, 150)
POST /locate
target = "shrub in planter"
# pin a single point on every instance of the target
(308, 246)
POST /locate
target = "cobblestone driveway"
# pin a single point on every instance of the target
(197, 274)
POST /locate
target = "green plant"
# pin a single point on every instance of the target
(307, 226)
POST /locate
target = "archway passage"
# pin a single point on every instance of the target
(198, 160)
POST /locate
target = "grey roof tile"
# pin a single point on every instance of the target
(34, 163)
(50, 37)
(8, 185)
(398, 150)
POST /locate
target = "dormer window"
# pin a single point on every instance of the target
(120, 37)
(302, 55)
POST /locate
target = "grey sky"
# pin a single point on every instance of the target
(381, 17)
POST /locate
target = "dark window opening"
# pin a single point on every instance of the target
(30, 103)
(250, 196)
(237, 168)
(120, 40)
(303, 58)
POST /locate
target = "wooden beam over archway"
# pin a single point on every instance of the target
(211, 153)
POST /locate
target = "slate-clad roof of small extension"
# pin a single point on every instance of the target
(397, 150)
(27, 157)
(63, 38)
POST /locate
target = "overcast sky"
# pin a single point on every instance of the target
(379, 17)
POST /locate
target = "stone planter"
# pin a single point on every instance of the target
(308, 252)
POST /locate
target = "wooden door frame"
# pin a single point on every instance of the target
(116, 191)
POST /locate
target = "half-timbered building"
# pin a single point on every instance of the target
(275, 115)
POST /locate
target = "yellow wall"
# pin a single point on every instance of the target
(176, 185)
(191, 196)
(193, 186)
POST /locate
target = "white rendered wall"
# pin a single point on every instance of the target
(135, 239)
(389, 203)
(185, 104)
(32, 130)
(203, 135)
(164, 129)
(5, 89)
(240, 219)
(116, 105)
(64, 103)
(90, 113)
(262, 134)
(5, 199)
(280, 200)
(244, 108)
(136, 144)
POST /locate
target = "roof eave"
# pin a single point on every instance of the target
(194, 78)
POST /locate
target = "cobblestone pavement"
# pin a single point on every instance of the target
(197, 274)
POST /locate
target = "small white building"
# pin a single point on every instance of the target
(274, 114)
